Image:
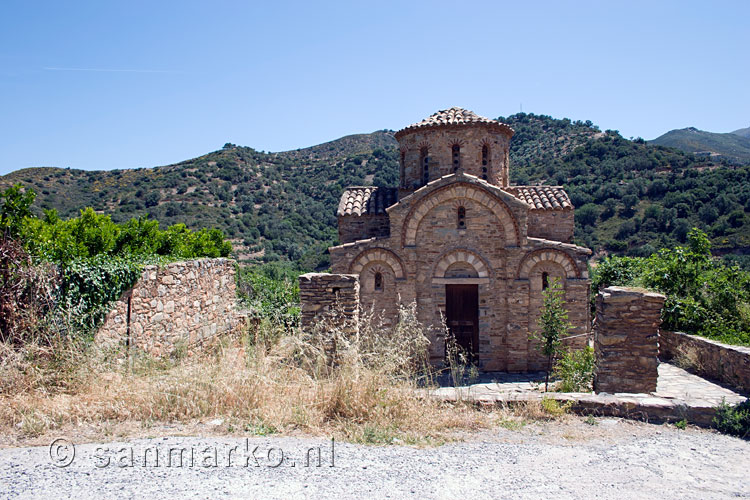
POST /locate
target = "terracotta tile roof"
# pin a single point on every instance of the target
(454, 116)
(542, 197)
(366, 200)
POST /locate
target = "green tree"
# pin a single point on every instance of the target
(587, 214)
(553, 325)
(16, 207)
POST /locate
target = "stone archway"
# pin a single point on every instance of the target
(548, 255)
(383, 255)
(467, 191)
(458, 256)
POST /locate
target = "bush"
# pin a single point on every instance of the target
(705, 296)
(733, 420)
(89, 287)
(26, 293)
(271, 292)
(575, 369)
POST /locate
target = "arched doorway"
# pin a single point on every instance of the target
(462, 318)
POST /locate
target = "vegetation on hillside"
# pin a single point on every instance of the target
(271, 206)
(743, 132)
(632, 197)
(733, 146)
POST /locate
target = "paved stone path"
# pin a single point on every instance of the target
(676, 383)
(678, 395)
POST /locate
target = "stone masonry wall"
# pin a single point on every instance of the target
(626, 340)
(440, 142)
(557, 225)
(725, 363)
(360, 227)
(180, 303)
(329, 297)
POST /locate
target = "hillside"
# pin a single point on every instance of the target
(631, 196)
(743, 132)
(273, 205)
(349, 145)
(734, 146)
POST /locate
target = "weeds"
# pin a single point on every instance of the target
(275, 380)
(733, 420)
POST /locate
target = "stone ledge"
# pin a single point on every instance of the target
(644, 407)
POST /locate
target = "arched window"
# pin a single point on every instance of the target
(424, 161)
(485, 160)
(456, 157)
(461, 218)
(545, 281)
(379, 282)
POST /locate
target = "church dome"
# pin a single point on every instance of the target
(452, 117)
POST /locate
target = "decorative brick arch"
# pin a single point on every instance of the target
(459, 190)
(378, 255)
(461, 255)
(548, 255)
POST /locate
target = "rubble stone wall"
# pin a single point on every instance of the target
(725, 363)
(626, 340)
(178, 304)
(332, 298)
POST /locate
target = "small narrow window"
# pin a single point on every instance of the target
(403, 168)
(424, 160)
(456, 157)
(461, 218)
(485, 160)
(378, 281)
(545, 281)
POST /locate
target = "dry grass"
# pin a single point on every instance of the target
(265, 382)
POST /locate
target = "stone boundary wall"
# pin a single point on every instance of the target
(725, 363)
(181, 303)
(333, 298)
(626, 340)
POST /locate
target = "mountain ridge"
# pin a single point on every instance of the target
(733, 146)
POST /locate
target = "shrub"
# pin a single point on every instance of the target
(705, 296)
(733, 420)
(271, 292)
(26, 293)
(88, 288)
(575, 369)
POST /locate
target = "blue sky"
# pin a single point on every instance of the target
(99, 85)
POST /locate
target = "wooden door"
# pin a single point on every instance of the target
(462, 316)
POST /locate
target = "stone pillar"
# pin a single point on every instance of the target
(626, 340)
(333, 298)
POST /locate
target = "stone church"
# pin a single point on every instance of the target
(468, 247)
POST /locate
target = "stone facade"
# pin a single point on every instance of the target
(626, 340)
(725, 363)
(330, 298)
(180, 303)
(455, 226)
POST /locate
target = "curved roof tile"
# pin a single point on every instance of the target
(454, 116)
(366, 200)
(542, 197)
